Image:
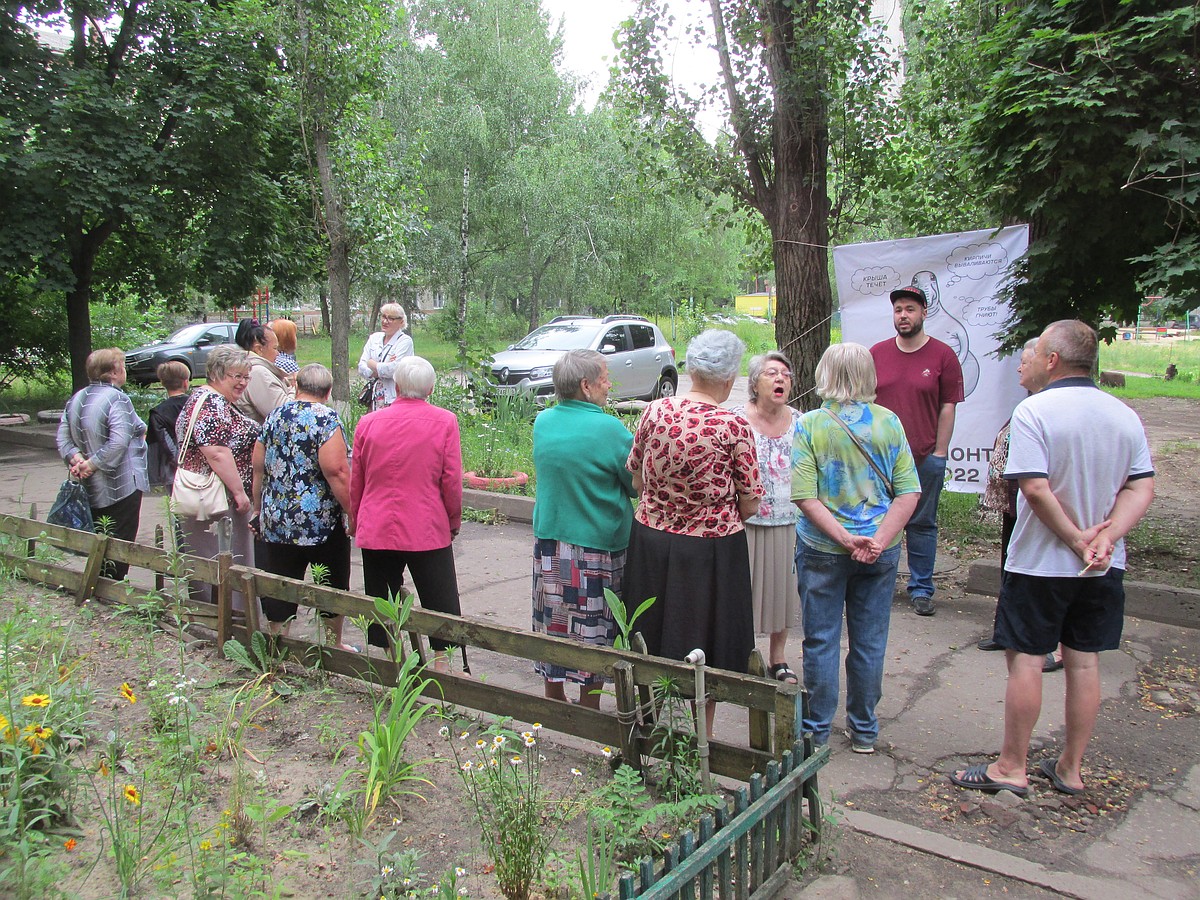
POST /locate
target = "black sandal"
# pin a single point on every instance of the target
(783, 672)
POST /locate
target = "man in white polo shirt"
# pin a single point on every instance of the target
(1083, 465)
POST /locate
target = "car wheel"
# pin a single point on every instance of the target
(666, 387)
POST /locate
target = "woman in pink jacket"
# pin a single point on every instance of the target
(406, 498)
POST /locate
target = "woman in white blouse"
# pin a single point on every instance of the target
(383, 350)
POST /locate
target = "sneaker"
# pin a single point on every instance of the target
(923, 605)
(989, 644)
(860, 744)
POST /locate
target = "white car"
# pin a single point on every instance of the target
(641, 364)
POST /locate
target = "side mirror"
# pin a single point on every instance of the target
(203, 341)
(608, 348)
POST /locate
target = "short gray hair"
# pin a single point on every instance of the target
(223, 359)
(414, 378)
(715, 356)
(846, 374)
(1073, 341)
(756, 366)
(575, 367)
(314, 380)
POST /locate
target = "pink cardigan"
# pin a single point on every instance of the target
(406, 477)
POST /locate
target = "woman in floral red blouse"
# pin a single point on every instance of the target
(695, 467)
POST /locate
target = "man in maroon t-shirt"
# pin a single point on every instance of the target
(920, 380)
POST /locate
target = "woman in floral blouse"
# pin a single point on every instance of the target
(771, 532)
(695, 467)
(301, 489)
(222, 441)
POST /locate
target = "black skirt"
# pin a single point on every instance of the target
(702, 586)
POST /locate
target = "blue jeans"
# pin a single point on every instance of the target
(921, 531)
(831, 583)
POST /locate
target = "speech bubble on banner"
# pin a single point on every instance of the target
(984, 260)
(875, 281)
(982, 312)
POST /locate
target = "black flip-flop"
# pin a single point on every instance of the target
(976, 778)
(783, 672)
(1049, 768)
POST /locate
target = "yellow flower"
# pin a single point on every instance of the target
(38, 700)
(132, 794)
(206, 845)
(36, 736)
(127, 692)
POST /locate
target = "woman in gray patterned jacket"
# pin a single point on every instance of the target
(103, 442)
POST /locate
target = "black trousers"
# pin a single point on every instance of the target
(293, 560)
(433, 576)
(124, 517)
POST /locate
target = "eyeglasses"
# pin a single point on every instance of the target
(237, 376)
(775, 373)
(389, 318)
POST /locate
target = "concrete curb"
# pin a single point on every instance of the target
(994, 861)
(513, 507)
(44, 436)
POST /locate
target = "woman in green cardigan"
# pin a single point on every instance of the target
(581, 518)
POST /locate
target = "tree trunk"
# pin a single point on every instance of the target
(338, 267)
(323, 298)
(462, 280)
(799, 226)
(85, 246)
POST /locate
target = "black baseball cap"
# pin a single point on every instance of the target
(910, 291)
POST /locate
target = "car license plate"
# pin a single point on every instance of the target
(507, 390)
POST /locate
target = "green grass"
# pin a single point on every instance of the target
(1144, 388)
(316, 349)
(1152, 357)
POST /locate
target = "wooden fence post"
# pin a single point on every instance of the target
(159, 581)
(250, 598)
(224, 598)
(91, 571)
(627, 717)
(760, 720)
(31, 544)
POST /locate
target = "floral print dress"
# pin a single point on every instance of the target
(298, 505)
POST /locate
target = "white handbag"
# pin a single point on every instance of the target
(193, 495)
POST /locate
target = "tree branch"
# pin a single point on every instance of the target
(738, 116)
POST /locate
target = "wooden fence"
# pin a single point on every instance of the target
(774, 709)
(744, 851)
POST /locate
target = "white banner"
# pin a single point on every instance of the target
(961, 275)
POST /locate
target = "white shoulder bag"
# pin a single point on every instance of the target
(193, 495)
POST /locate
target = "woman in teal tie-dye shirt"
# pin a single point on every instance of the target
(848, 545)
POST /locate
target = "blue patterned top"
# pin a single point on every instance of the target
(828, 467)
(298, 506)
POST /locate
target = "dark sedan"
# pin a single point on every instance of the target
(189, 345)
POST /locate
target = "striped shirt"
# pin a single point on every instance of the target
(100, 423)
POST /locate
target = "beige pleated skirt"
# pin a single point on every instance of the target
(773, 577)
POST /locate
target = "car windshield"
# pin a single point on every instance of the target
(561, 336)
(187, 334)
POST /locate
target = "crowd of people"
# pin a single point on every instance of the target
(750, 520)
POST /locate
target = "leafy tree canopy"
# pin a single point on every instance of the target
(139, 143)
(1088, 130)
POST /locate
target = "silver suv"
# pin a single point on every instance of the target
(641, 364)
